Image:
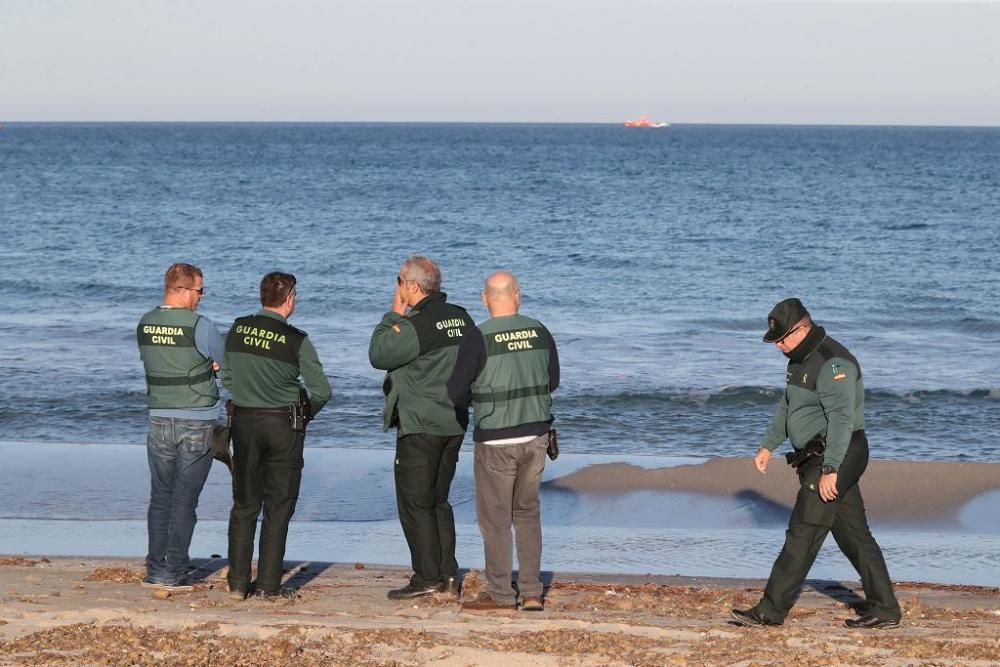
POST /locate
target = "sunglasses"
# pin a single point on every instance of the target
(787, 335)
(199, 290)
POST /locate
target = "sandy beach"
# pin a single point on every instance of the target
(84, 611)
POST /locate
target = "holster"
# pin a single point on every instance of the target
(300, 414)
(220, 439)
(553, 448)
(814, 447)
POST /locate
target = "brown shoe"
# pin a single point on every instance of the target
(532, 604)
(485, 603)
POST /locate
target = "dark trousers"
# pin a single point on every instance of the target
(267, 458)
(425, 466)
(808, 526)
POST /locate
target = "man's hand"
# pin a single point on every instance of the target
(399, 301)
(828, 486)
(761, 459)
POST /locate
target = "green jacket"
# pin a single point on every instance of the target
(178, 376)
(265, 356)
(824, 394)
(418, 350)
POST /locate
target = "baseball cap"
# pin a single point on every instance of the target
(782, 318)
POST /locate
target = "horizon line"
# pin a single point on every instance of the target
(4, 123)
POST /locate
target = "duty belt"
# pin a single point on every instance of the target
(263, 411)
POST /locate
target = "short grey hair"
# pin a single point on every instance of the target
(424, 272)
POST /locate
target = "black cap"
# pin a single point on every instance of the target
(782, 318)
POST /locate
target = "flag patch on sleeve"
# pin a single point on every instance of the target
(838, 374)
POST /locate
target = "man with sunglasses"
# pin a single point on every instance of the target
(265, 359)
(180, 351)
(822, 414)
(416, 342)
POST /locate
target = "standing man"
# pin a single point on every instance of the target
(265, 357)
(822, 413)
(507, 369)
(418, 350)
(179, 350)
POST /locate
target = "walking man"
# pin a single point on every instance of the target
(418, 349)
(265, 357)
(507, 369)
(822, 414)
(180, 350)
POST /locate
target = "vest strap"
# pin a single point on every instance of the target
(178, 381)
(511, 394)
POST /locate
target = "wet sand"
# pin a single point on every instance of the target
(75, 611)
(897, 491)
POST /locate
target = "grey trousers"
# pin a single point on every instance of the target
(508, 478)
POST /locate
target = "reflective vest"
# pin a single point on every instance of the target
(178, 376)
(513, 387)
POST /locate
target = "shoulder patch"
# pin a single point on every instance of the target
(395, 327)
(838, 373)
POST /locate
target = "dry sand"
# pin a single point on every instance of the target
(77, 611)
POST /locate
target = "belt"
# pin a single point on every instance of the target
(263, 411)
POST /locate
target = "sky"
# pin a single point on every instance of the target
(702, 61)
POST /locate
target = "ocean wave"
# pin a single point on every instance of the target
(907, 226)
(754, 395)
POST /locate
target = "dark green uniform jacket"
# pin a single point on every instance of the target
(824, 394)
(178, 376)
(507, 369)
(418, 350)
(265, 356)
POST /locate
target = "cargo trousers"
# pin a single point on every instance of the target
(811, 521)
(267, 474)
(424, 469)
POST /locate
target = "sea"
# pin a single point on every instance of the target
(653, 256)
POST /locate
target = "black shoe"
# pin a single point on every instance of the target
(409, 591)
(750, 617)
(870, 622)
(277, 594)
(450, 586)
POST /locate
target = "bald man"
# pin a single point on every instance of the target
(507, 369)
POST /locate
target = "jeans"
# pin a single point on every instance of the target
(508, 479)
(179, 453)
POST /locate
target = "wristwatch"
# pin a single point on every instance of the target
(828, 470)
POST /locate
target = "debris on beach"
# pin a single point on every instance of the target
(20, 561)
(116, 575)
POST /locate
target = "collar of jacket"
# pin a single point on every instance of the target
(433, 296)
(808, 344)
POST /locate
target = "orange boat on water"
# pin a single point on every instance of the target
(643, 121)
